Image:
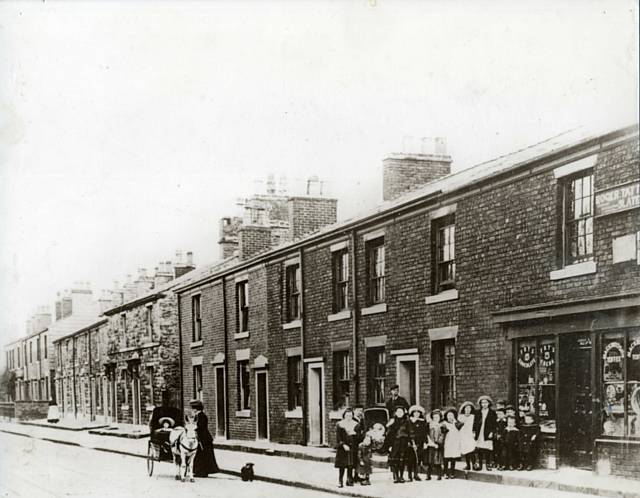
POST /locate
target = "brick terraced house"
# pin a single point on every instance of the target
(518, 278)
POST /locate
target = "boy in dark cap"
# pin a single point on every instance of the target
(498, 442)
(530, 436)
(511, 444)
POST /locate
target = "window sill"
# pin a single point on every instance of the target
(441, 297)
(576, 270)
(196, 344)
(293, 324)
(340, 315)
(243, 414)
(372, 310)
(241, 335)
(296, 413)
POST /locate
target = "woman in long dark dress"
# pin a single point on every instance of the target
(205, 460)
(398, 440)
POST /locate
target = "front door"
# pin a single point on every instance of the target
(575, 438)
(315, 406)
(262, 403)
(407, 378)
(221, 404)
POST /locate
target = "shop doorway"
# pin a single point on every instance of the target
(575, 413)
(315, 397)
(221, 403)
(262, 404)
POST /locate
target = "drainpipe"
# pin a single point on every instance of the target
(305, 406)
(91, 417)
(75, 393)
(354, 318)
(225, 328)
(180, 355)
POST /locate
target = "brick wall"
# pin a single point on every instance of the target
(31, 410)
(403, 173)
(618, 458)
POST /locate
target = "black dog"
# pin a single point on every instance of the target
(246, 472)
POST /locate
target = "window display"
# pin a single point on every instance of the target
(621, 383)
(536, 387)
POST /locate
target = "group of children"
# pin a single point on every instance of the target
(434, 442)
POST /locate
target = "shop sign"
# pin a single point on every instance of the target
(634, 350)
(526, 356)
(618, 199)
(612, 356)
(547, 355)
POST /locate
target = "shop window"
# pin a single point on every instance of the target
(443, 357)
(197, 382)
(535, 377)
(340, 379)
(376, 270)
(621, 383)
(444, 255)
(294, 391)
(242, 302)
(340, 260)
(376, 375)
(244, 390)
(293, 292)
(577, 218)
(196, 319)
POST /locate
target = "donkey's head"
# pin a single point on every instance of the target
(189, 438)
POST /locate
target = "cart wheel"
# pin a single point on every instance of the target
(151, 456)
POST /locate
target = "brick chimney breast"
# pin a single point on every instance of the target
(253, 240)
(407, 171)
(309, 214)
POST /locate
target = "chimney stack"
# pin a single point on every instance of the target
(308, 214)
(421, 162)
(181, 268)
(228, 235)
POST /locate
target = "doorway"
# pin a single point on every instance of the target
(221, 402)
(315, 397)
(575, 410)
(262, 404)
(407, 377)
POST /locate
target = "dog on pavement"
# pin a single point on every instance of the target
(246, 472)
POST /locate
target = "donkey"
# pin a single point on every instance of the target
(184, 444)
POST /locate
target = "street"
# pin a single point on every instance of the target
(32, 468)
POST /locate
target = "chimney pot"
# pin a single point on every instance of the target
(190, 258)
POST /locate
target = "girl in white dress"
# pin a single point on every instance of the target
(451, 442)
(467, 439)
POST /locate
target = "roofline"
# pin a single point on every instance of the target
(135, 303)
(84, 329)
(410, 203)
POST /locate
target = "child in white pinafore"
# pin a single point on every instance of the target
(467, 439)
(452, 442)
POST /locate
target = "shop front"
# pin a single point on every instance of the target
(577, 367)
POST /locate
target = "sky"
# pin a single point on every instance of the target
(127, 129)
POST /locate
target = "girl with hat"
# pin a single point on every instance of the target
(435, 444)
(467, 438)
(205, 459)
(484, 427)
(347, 446)
(398, 442)
(417, 440)
(451, 442)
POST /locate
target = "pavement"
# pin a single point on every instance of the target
(321, 476)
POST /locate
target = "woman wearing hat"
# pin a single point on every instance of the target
(398, 441)
(467, 437)
(484, 427)
(205, 460)
(417, 440)
(347, 435)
